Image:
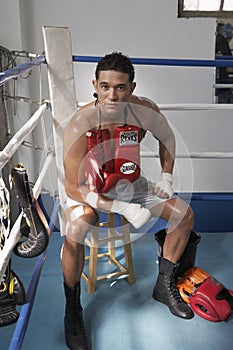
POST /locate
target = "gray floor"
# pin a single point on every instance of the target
(119, 316)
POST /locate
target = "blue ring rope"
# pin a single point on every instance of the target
(25, 313)
(220, 61)
(165, 61)
(20, 69)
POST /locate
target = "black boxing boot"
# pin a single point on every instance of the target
(166, 292)
(75, 334)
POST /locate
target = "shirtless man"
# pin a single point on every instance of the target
(114, 87)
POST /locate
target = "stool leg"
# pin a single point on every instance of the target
(93, 260)
(127, 250)
(111, 244)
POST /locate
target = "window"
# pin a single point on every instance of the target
(205, 8)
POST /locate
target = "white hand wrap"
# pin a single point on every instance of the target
(135, 213)
(164, 186)
(92, 199)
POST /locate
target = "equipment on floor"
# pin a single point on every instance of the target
(207, 297)
(212, 301)
(191, 279)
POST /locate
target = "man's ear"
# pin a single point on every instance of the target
(133, 86)
(94, 83)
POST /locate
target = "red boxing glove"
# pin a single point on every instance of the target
(127, 152)
(99, 165)
(110, 181)
(212, 301)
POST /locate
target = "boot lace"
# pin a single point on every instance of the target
(174, 291)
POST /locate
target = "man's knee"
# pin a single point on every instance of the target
(183, 217)
(188, 220)
(79, 222)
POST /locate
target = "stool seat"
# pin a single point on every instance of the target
(111, 237)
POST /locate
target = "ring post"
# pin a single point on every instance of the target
(58, 53)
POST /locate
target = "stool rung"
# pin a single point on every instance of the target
(112, 275)
(122, 269)
(113, 260)
(107, 276)
(106, 239)
(111, 239)
(100, 255)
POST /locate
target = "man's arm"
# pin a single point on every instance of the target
(167, 145)
(155, 122)
(166, 139)
(77, 189)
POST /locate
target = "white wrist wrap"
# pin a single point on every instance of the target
(92, 198)
(167, 177)
(135, 213)
(118, 206)
(164, 186)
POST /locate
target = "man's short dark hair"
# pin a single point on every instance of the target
(118, 62)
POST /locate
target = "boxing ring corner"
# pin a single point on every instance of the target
(62, 92)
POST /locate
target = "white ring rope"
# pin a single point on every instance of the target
(194, 155)
(18, 138)
(195, 106)
(9, 245)
(15, 233)
(185, 106)
(190, 107)
(39, 182)
(224, 86)
(11, 148)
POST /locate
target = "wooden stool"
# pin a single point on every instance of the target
(113, 235)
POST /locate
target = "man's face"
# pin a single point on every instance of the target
(113, 87)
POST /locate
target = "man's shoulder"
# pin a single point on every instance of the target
(88, 105)
(145, 102)
(82, 119)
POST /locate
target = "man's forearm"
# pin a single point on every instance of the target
(167, 158)
(135, 213)
(80, 193)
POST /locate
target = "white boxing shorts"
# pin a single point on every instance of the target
(130, 192)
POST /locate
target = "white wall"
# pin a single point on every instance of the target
(10, 33)
(140, 29)
(151, 29)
